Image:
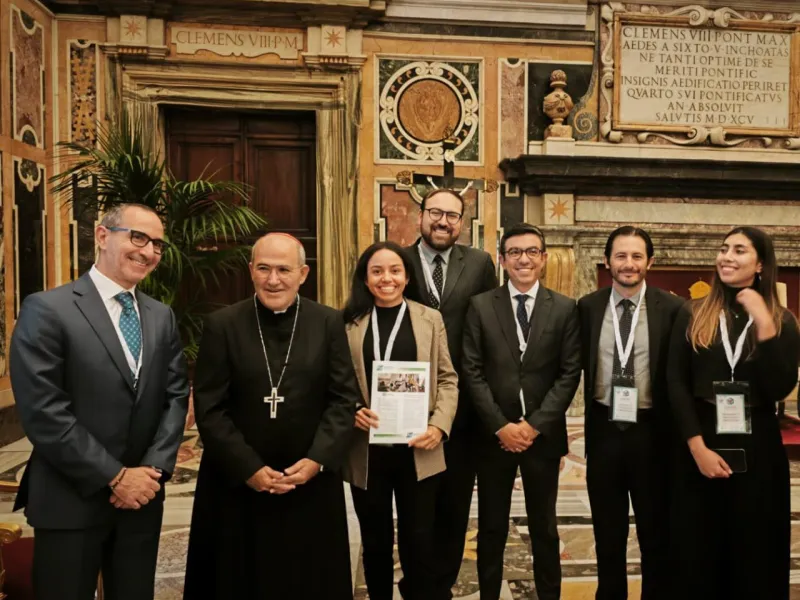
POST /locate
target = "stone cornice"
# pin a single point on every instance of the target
(521, 12)
(653, 177)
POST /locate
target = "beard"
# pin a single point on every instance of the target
(617, 276)
(439, 245)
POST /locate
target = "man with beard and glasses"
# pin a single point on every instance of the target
(625, 332)
(449, 274)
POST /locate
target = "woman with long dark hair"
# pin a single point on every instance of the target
(733, 357)
(384, 323)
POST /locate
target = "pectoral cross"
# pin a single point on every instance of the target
(273, 402)
(447, 180)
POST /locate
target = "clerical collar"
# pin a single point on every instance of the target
(619, 297)
(430, 253)
(278, 313)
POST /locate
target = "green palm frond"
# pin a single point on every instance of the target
(208, 223)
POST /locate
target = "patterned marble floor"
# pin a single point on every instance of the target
(577, 542)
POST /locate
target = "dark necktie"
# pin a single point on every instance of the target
(438, 280)
(129, 325)
(625, 322)
(522, 315)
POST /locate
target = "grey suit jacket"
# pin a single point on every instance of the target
(495, 371)
(76, 399)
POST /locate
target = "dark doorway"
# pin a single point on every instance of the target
(273, 152)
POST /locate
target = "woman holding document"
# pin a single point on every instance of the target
(409, 396)
(733, 356)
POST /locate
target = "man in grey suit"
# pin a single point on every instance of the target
(522, 365)
(449, 276)
(100, 383)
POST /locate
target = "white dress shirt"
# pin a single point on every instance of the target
(107, 290)
(529, 302)
(513, 292)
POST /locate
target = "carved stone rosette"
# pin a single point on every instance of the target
(616, 15)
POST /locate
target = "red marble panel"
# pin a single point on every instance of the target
(27, 68)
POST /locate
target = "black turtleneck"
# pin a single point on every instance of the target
(405, 345)
(277, 331)
(737, 319)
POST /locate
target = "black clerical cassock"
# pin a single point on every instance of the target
(257, 545)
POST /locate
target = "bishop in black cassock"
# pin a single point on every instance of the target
(269, 518)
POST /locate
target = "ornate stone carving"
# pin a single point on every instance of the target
(334, 47)
(420, 101)
(699, 135)
(135, 36)
(83, 91)
(557, 105)
(691, 132)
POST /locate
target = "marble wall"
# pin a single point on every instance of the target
(27, 74)
(419, 81)
(26, 146)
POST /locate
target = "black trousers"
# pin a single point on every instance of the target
(392, 470)
(67, 562)
(622, 462)
(731, 536)
(497, 470)
(453, 502)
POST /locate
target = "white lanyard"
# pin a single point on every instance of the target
(732, 356)
(426, 269)
(625, 353)
(376, 336)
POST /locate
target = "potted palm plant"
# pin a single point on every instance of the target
(207, 223)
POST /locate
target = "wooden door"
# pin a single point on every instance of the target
(273, 153)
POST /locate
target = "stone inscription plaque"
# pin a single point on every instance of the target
(672, 78)
(230, 42)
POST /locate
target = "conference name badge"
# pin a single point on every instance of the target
(624, 400)
(733, 412)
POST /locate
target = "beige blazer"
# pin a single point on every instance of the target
(431, 341)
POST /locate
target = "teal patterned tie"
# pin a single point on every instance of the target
(129, 324)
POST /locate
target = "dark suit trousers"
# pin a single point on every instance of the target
(497, 470)
(452, 508)
(67, 562)
(622, 463)
(391, 469)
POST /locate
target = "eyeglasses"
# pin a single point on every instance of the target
(282, 271)
(437, 214)
(532, 252)
(141, 239)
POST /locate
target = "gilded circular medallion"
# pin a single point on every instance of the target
(427, 108)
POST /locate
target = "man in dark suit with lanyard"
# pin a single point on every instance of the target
(625, 331)
(449, 275)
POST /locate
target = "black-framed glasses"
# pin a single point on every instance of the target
(141, 239)
(532, 252)
(437, 214)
